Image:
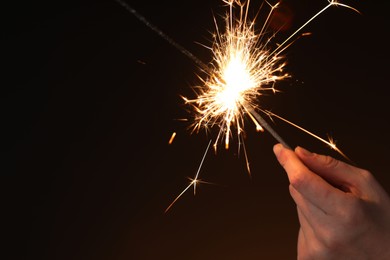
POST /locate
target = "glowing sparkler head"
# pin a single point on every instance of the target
(236, 81)
(242, 68)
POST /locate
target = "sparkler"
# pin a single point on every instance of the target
(245, 65)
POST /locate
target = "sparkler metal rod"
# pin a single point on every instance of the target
(154, 28)
(267, 126)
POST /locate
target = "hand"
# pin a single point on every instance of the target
(343, 211)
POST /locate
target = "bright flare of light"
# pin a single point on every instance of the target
(243, 68)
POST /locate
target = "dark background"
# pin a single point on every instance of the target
(89, 101)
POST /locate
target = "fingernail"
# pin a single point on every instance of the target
(277, 149)
(304, 152)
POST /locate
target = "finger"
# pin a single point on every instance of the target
(306, 228)
(348, 178)
(342, 175)
(308, 243)
(302, 243)
(315, 189)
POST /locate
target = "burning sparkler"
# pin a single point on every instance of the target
(245, 65)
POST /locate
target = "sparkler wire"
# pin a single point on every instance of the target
(154, 28)
(267, 127)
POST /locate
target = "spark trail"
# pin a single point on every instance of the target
(194, 181)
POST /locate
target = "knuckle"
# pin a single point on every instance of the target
(343, 230)
(365, 174)
(332, 246)
(332, 241)
(330, 162)
(353, 215)
(299, 180)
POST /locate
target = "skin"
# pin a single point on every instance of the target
(344, 213)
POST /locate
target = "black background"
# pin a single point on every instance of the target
(89, 101)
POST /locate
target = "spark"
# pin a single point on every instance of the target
(194, 181)
(330, 142)
(172, 138)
